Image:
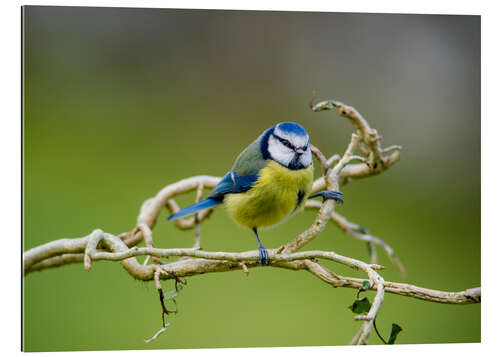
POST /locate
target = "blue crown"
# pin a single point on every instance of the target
(291, 127)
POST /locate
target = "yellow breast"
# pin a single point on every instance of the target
(274, 196)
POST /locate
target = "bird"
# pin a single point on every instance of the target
(268, 182)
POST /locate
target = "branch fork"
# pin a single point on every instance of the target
(337, 171)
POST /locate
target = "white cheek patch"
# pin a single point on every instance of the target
(306, 158)
(280, 152)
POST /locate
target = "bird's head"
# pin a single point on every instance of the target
(288, 144)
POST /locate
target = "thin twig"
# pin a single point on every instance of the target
(123, 248)
(321, 158)
(163, 329)
(378, 333)
(331, 177)
(372, 314)
(392, 148)
(197, 239)
(355, 230)
(244, 267)
(200, 266)
(147, 233)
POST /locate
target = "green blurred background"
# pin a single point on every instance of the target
(121, 102)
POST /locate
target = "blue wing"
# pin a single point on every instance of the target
(230, 183)
(233, 183)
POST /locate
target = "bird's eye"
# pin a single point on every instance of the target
(284, 142)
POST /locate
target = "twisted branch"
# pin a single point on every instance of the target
(224, 261)
(123, 247)
(359, 232)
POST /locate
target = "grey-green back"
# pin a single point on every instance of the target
(250, 161)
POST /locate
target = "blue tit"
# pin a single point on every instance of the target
(268, 182)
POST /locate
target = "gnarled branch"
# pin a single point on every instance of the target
(337, 171)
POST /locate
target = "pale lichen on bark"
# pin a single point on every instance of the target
(337, 171)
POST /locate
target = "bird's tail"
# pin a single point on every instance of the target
(209, 202)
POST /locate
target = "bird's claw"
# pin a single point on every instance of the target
(263, 256)
(332, 195)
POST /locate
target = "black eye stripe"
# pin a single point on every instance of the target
(284, 141)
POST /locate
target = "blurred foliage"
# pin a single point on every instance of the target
(121, 102)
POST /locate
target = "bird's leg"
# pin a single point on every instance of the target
(264, 258)
(334, 195)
